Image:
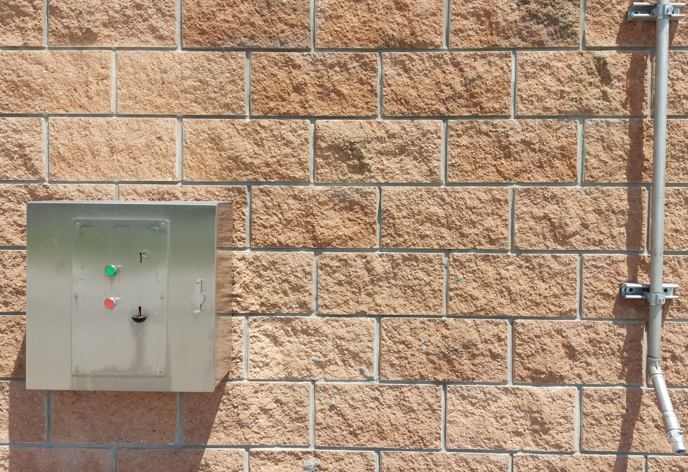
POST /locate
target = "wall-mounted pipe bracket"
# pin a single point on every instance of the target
(638, 291)
(651, 11)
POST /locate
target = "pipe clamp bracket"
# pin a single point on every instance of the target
(638, 291)
(653, 12)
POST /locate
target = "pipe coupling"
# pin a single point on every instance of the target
(676, 438)
(656, 298)
(654, 367)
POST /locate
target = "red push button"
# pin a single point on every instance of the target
(109, 303)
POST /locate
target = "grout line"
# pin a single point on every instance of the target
(646, 463)
(49, 417)
(114, 458)
(377, 351)
(179, 439)
(578, 415)
(445, 263)
(510, 463)
(512, 219)
(46, 147)
(378, 461)
(311, 147)
(248, 84)
(514, 89)
(312, 413)
(180, 23)
(581, 151)
(316, 281)
(510, 353)
(380, 82)
(116, 192)
(581, 307)
(46, 24)
(650, 86)
(584, 12)
(378, 225)
(249, 216)
(443, 425)
(114, 82)
(447, 24)
(245, 348)
(313, 25)
(444, 153)
(180, 149)
(246, 460)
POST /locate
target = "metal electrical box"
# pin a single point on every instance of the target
(124, 296)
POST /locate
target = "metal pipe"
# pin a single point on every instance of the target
(656, 295)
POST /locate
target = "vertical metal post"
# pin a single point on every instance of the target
(656, 296)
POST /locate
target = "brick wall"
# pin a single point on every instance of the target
(435, 204)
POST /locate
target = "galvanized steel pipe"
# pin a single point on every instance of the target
(656, 295)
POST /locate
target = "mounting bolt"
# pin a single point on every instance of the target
(76, 370)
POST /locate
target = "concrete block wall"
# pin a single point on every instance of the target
(435, 204)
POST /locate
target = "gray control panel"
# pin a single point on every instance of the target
(122, 296)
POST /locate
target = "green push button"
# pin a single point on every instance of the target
(110, 270)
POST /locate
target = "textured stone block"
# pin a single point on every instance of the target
(330, 461)
(319, 84)
(21, 23)
(551, 463)
(56, 82)
(389, 416)
(127, 23)
(380, 284)
(380, 24)
(621, 151)
(15, 197)
(181, 83)
(13, 342)
(236, 370)
(31, 459)
(175, 460)
(572, 218)
(676, 219)
(248, 413)
(513, 24)
(574, 352)
(446, 218)
(113, 149)
(675, 353)
(311, 348)
(314, 216)
(603, 276)
(22, 414)
(443, 350)
(589, 83)
(667, 464)
(239, 150)
(520, 285)
(195, 193)
(265, 282)
(247, 24)
(440, 84)
(22, 149)
(620, 419)
(113, 417)
(12, 281)
(606, 25)
(511, 418)
(378, 151)
(443, 462)
(512, 151)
